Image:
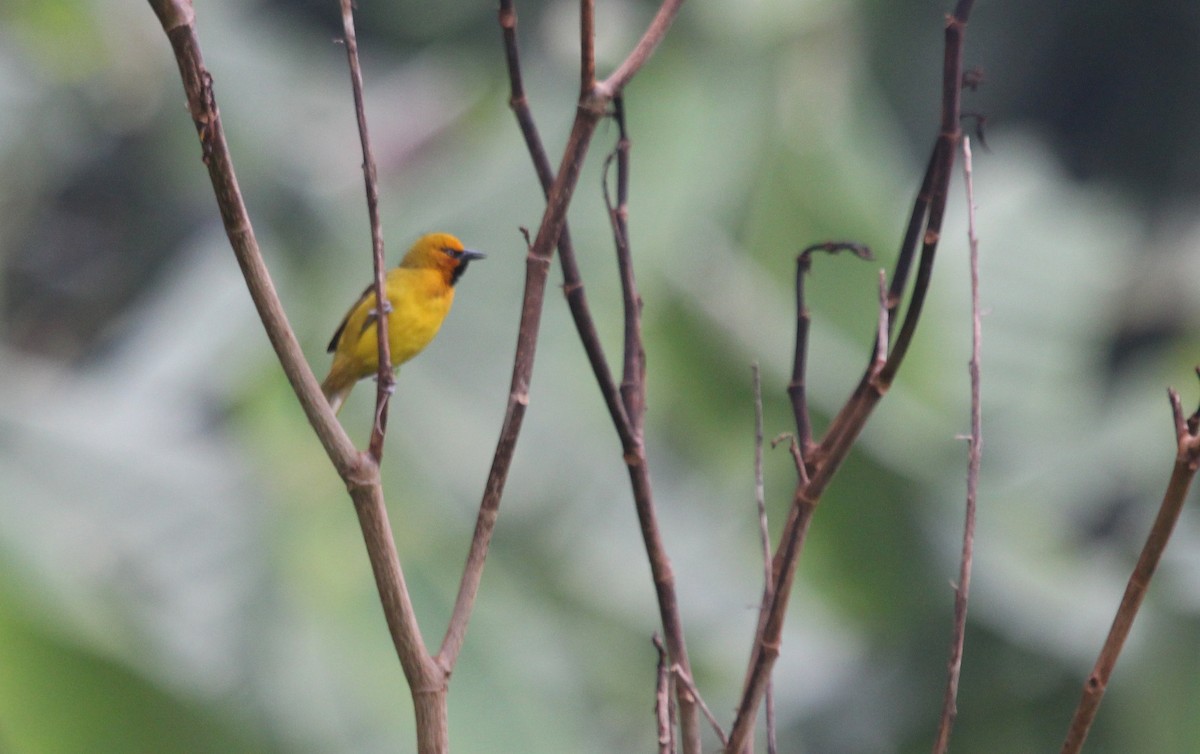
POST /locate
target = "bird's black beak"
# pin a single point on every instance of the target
(463, 258)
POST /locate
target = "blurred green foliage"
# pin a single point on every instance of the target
(181, 571)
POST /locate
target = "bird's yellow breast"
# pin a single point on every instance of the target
(420, 300)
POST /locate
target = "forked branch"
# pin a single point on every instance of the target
(359, 470)
(924, 230)
(552, 233)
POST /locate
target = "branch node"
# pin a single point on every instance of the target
(364, 472)
(690, 690)
(508, 18)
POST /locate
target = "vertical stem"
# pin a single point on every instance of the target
(385, 379)
(798, 389)
(663, 706)
(633, 396)
(765, 540)
(587, 46)
(963, 590)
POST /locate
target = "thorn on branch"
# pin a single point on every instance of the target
(1187, 430)
(796, 451)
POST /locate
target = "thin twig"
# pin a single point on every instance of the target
(794, 450)
(764, 532)
(682, 676)
(663, 706)
(633, 381)
(759, 488)
(645, 47)
(385, 380)
(1187, 460)
(974, 457)
(881, 330)
(633, 397)
(427, 682)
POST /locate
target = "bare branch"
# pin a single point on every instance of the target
(385, 380)
(759, 488)
(573, 286)
(633, 381)
(686, 680)
(828, 456)
(942, 164)
(633, 397)
(767, 642)
(359, 471)
(424, 678)
(587, 46)
(975, 453)
(178, 20)
(663, 706)
(654, 34)
(537, 266)
(764, 531)
(559, 191)
(1187, 460)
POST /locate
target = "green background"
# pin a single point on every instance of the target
(180, 570)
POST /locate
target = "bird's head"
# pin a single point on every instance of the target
(440, 251)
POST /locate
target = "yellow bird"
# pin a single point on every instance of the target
(420, 292)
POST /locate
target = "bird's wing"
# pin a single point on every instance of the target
(371, 316)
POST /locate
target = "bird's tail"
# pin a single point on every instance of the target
(336, 388)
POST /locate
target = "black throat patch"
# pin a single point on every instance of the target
(458, 271)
